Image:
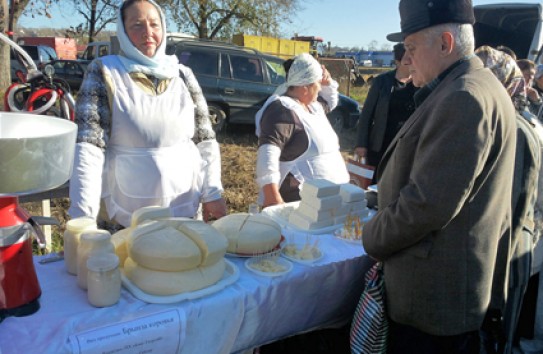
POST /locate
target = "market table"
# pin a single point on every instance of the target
(253, 311)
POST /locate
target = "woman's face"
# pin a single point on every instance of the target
(313, 91)
(143, 26)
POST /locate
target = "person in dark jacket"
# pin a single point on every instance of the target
(387, 107)
(444, 186)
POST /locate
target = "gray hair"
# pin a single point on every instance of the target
(462, 34)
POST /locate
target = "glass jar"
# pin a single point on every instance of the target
(74, 228)
(91, 243)
(103, 279)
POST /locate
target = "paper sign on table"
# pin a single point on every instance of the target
(162, 332)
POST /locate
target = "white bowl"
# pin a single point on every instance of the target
(36, 152)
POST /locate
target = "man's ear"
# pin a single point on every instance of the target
(447, 43)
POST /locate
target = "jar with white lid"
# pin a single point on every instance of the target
(72, 234)
(91, 243)
(103, 279)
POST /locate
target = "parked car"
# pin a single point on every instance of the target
(72, 71)
(40, 54)
(236, 81)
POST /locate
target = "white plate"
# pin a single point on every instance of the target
(337, 234)
(230, 276)
(302, 261)
(278, 260)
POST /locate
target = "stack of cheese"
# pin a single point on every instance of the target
(174, 255)
(324, 204)
(249, 234)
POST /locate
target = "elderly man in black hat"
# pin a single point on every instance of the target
(444, 187)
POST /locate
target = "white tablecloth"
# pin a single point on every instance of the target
(253, 311)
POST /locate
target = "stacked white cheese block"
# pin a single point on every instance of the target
(324, 204)
(249, 233)
(172, 255)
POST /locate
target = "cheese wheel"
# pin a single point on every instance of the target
(249, 233)
(157, 246)
(211, 242)
(171, 283)
(149, 213)
(120, 241)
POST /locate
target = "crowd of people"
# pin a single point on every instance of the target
(456, 148)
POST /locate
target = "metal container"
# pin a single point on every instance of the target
(36, 152)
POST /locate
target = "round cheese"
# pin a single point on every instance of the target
(170, 283)
(211, 242)
(249, 233)
(157, 246)
(120, 241)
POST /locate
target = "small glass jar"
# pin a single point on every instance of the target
(74, 228)
(92, 243)
(103, 280)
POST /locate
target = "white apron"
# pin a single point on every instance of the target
(322, 159)
(151, 158)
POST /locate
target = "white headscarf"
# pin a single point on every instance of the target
(305, 70)
(161, 66)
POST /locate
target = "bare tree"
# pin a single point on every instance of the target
(213, 19)
(96, 15)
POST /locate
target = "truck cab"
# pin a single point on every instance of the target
(517, 25)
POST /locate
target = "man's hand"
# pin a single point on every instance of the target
(361, 153)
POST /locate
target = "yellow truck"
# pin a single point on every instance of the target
(280, 47)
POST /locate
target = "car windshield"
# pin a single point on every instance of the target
(276, 71)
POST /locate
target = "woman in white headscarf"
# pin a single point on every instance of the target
(144, 137)
(296, 142)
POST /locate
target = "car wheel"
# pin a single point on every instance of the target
(217, 117)
(337, 120)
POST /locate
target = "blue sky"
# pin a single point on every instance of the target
(345, 23)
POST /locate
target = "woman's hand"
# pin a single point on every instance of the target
(213, 210)
(271, 195)
(326, 77)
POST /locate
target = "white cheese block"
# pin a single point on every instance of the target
(155, 245)
(314, 214)
(303, 222)
(170, 283)
(355, 207)
(361, 213)
(249, 233)
(351, 193)
(338, 220)
(120, 241)
(149, 213)
(343, 210)
(211, 242)
(324, 203)
(319, 188)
